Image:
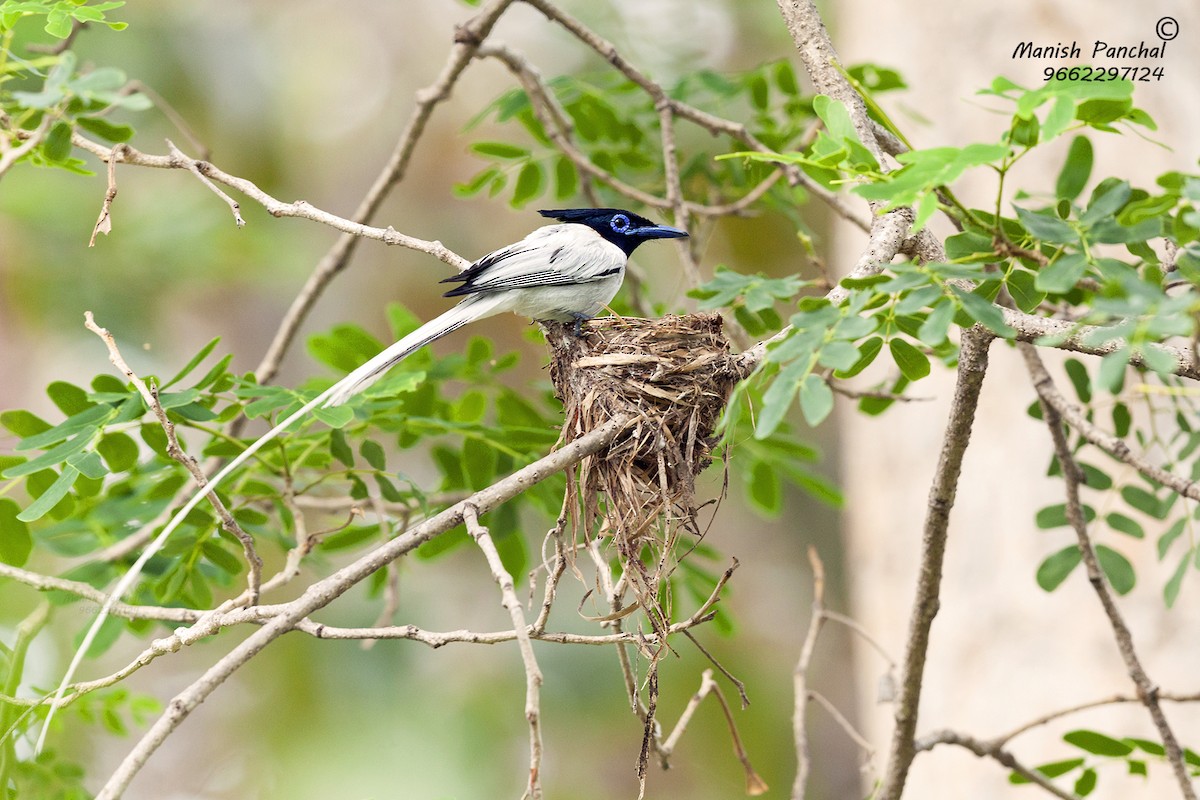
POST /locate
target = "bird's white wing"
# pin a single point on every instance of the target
(555, 255)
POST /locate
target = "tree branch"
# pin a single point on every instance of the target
(468, 38)
(175, 450)
(533, 674)
(972, 365)
(993, 749)
(323, 592)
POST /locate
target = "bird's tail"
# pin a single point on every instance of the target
(473, 308)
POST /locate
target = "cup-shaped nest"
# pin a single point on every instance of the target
(673, 376)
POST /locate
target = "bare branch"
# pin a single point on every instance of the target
(175, 450)
(755, 785)
(468, 38)
(104, 221)
(198, 168)
(1005, 738)
(972, 365)
(995, 751)
(1073, 337)
(11, 155)
(800, 693)
(533, 674)
(323, 592)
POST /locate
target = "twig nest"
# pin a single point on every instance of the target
(675, 375)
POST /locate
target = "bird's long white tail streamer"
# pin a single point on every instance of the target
(135, 571)
(473, 308)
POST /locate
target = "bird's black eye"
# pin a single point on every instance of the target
(620, 223)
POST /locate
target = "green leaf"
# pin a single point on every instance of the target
(89, 420)
(1057, 768)
(913, 363)
(867, 351)
(1123, 524)
(838, 355)
(759, 91)
(1076, 170)
(106, 130)
(1056, 567)
(765, 488)
(499, 150)
(118, 450)
(88, 464)
(24, 423)
(529, 184)
(816, 400)
(1111, 375)
(1122, 420)
(1143, 501)
(57, 146)
(373, 453)
(566, 179)
(476, 184)
(191, 365)
(984, 312)
(1168, 538)
(1095, 478)
(777, 399)
(785, 78)
(1086, 782)
(1061, 275)
(1056, 516)
(1171, 590)
(339, 448)
(1147, 746)
(52, 457)
(1117, 569)
(1046, 227)
(1097, 743)
(1078, 374)
(1022, 285)
(15, 540)
(69, 398)
(335, 417)
(51, 497)
(1107, 200)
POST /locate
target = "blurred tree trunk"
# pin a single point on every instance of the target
(1003, 651)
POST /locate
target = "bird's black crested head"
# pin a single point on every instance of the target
(623, 228)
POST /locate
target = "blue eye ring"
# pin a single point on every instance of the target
(619, 223)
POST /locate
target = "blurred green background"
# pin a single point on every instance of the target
(307, 100)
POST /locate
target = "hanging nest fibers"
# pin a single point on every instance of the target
(674, 374)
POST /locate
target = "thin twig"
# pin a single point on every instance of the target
(104, 221)
(175, 450)
(197, 168)
(324, 591)
(992, 749)
(468, 37)
(843, 723)
(800, 694)
(533, 674)
(755, 785)
(1175, 697)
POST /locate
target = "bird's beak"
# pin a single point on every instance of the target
(659, 232)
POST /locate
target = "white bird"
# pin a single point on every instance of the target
(557, 273)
